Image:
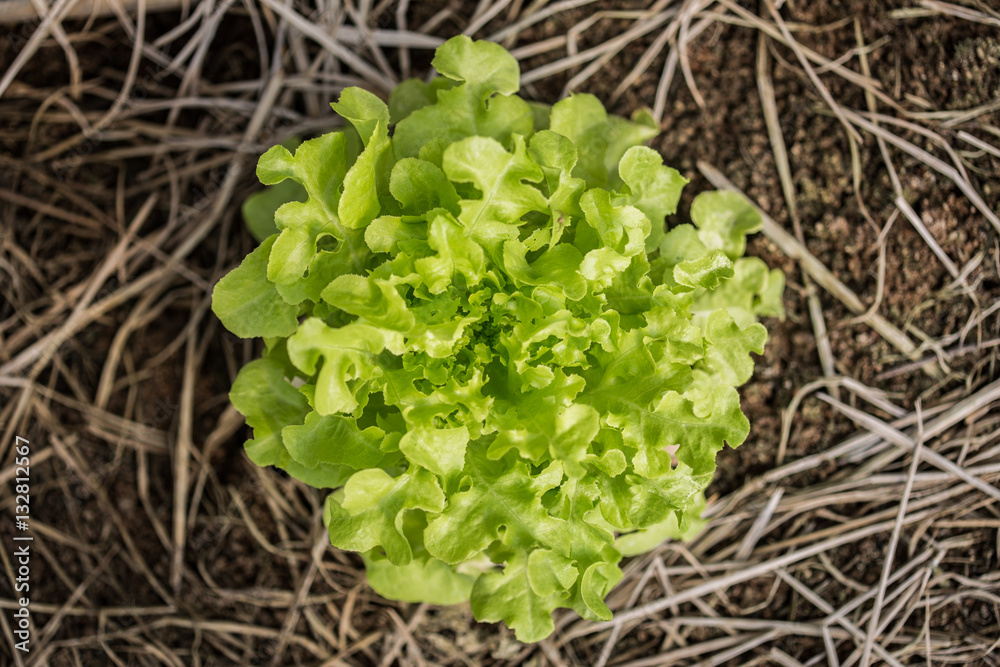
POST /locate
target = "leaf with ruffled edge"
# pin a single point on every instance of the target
(481, 104)
(600, 140)
(502, 501)
(557, 157)
(723, 220)
(499, 177)
(753, 291)
(370, 513)
(368, 177)
(455, 254)
(558, 266)
(413, 94)
(548, 432)
(702, 436)
(374, 301)
(621, 234)
(651, 187)
(334, 439)
(319, 165)
(423, 579)
(546, 339)
(589, 546)
(707, 271)
(441, 422)
(420, 186)
(727, 353)
(641, 541)
(270, 403)
(508, 597)
(626, 385)
(350, 361)
(249, 305)
(639, 501)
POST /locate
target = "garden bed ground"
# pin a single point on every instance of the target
(157, 543)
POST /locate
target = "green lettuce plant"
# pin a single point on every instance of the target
(480, 333)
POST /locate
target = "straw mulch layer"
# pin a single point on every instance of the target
(859, 524)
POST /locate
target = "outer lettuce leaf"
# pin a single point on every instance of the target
(727, 354)
(482, 104)
(641, 541)
(323, 269)
(678, 246)
(601, 141)
(319, 165)
(249, 305)
(589, 546)
(423, 579)
(707, 271)
(651, 187)
(414, 94)
(724, 219)
(420, 186)
(508, 597)
(368, 176)
(270, 403)
(259, 208)
(500, 495)
(370, 514)
(754, 291)
(349, 356)
(373, 300)
(701, 436)
(322, 476)
(310, 443)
